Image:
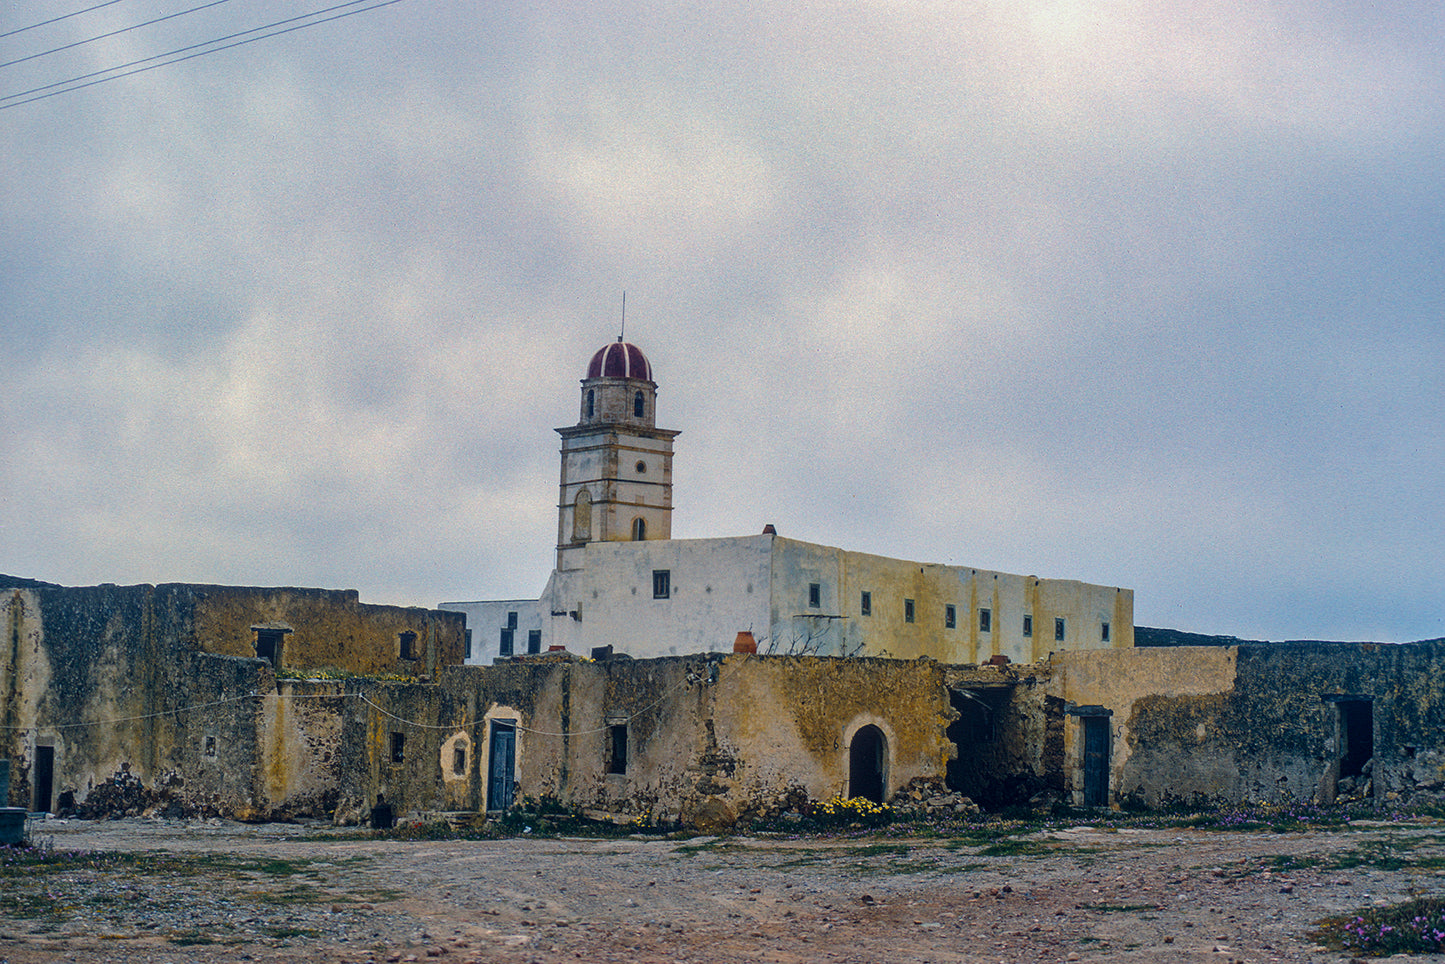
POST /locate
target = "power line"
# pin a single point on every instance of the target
(200, 53)
(113, 33)
(46, 23)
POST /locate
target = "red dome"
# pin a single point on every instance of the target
(620, 360)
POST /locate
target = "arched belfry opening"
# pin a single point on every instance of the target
(867, 764)
(616, 462)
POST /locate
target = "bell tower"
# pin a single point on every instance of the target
(616, 462)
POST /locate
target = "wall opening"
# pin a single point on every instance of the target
(269, 644)
(43, 778)
(639, 530)
(638, 405)
(459, 760)
(1357, 736)
(617, 748)
(867, 760)
(398, 747)
(407, 645)
(501, 765)
(1096, 761)
(582, 516)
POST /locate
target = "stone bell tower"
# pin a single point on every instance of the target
(616, 463)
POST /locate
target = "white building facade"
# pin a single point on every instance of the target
(622, 582)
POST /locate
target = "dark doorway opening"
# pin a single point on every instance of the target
(1096, 761)
(1357, 736)
(501, 765)
(867, 758)
(44, 777)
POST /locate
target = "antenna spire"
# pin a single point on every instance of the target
(624, 317)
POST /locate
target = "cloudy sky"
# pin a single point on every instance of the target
(1142, 294)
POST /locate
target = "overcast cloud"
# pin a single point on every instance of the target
(1142, 294)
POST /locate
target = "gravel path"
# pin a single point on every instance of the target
(213, 892)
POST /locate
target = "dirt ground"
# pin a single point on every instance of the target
(213, 892)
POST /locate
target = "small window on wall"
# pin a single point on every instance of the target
(1058, 630)
(210, 750)
(459, 760)
(468, 638)
(815, 595)
(1104, 632)
(639, 530)
(268, 644)
(950, 616)
(511, 620)
(534, 640)
(1028, 627)
(908, 610)
(638, 405)
(985, 620)
(408, 646)
(398, 747)
(591, 403)
(507, 637)
(865, 604)
(661, 583)
(617, 748)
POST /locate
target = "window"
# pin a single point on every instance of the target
(617, 748)
(534, 640)
(468, 642)
(511, 620)
(210, 746)
(985, 620)
(638, 405)
(1058, 630)
(1028, 627)
(641, 468)
(398, 747)
(408, 645)
(639, 530)
(1104, 632)
(268, 644)
(506, 648)
(865, 604)
(661, 583)
(908, 610)
(815, 595)
(459, 760)
(590, 403)
(950, 616)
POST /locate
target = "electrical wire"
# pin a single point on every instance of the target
(199, 53)
(114, 33)
(46, 23)
(667, 693)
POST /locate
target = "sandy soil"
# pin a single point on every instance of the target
(228, 892)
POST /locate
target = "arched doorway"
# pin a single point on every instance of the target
(867, 762)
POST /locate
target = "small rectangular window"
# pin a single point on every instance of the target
(1104, 632)
(210, 746)
(617, 748)
(661, 583)
(398, 747)
(269, 643)
(408, 646)
(506, 648)
(985, 621)
(468, 638)
(815, 595)
(908, 610)
(534, 640)
(1059, 630)
(950, 616)
(865, 604)
(1028, 627)
(459, 760)
(511, 620)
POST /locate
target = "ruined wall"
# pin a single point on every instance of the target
(324, 628)
(111, 692)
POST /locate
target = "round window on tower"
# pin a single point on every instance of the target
(641, 468)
